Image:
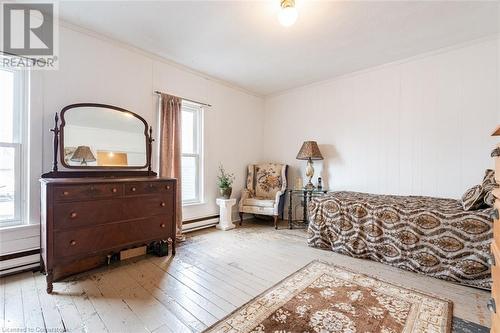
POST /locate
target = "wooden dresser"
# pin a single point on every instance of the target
(494, 302)
(86, 220)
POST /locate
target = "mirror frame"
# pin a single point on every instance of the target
(116, 108)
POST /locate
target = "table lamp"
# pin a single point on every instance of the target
(83, 154)
(309, 151)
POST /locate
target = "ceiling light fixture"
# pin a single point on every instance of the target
(288, 13)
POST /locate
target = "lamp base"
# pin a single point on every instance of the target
(309, 186)
(309, 175)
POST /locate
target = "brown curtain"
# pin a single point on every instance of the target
(170, 149)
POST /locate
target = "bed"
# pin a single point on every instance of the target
(432, 236)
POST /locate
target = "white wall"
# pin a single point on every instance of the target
(419, 126)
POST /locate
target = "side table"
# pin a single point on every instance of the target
(306, 195)
(225, 213)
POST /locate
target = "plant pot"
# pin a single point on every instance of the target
(226, 192)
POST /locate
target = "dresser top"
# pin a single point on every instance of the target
(95, 180)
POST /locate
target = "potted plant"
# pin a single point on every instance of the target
(224, 182)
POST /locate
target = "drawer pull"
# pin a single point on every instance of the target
(162, 225)
(114, 190)
(72, 243)
(133, 189)
(492, 307)
(494, 214)
(167, 187)
(491, 260)
(65, 193)
(150, 185)
(73, 215)
(162, 204)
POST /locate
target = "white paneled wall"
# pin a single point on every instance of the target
(419, 126)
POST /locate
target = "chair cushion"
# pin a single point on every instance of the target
(258, 202)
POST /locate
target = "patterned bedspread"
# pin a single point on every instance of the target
(431, 236)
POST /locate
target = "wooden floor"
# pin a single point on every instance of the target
(213, 273)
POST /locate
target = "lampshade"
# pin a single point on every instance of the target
(309, 150)
(83, 154)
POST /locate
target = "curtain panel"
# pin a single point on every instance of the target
(170, 149)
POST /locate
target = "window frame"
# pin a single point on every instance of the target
(21, 151)
(197, 154)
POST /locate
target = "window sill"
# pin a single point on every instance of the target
(18, 227)
(196, 203)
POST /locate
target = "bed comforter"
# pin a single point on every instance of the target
(432, 236)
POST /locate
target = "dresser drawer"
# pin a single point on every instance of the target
(150, 205)
(87, 191)
(496, 223)
(110, 236)
(495, 274)
(497, 167)
(495, 325)
(148, 188)
(86, 213)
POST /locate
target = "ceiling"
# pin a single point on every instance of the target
(242, 42)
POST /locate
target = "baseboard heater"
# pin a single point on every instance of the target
(19, 262)
(200, 223)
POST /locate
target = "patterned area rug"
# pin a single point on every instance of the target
(324, 298)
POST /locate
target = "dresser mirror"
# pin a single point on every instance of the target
(99, 136)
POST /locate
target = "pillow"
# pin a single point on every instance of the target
(489, 184)
(489, 199)
(473, 198)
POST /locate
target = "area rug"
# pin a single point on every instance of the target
(322, 297)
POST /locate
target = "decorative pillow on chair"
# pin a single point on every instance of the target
(268, 180)
(489, 184)
(473, 198)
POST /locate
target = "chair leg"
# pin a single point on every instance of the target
(275, 221)
(241, 218)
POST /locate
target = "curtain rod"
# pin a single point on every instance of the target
(186, 99)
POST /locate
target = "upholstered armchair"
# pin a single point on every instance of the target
(265, 191)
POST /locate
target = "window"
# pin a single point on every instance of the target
(12, 150)
(191, 153)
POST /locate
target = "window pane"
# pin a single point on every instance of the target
(7, 184)
(189, 174)
(188, 132)
(6, 106)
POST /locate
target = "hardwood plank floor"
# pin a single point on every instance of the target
(213, 273)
